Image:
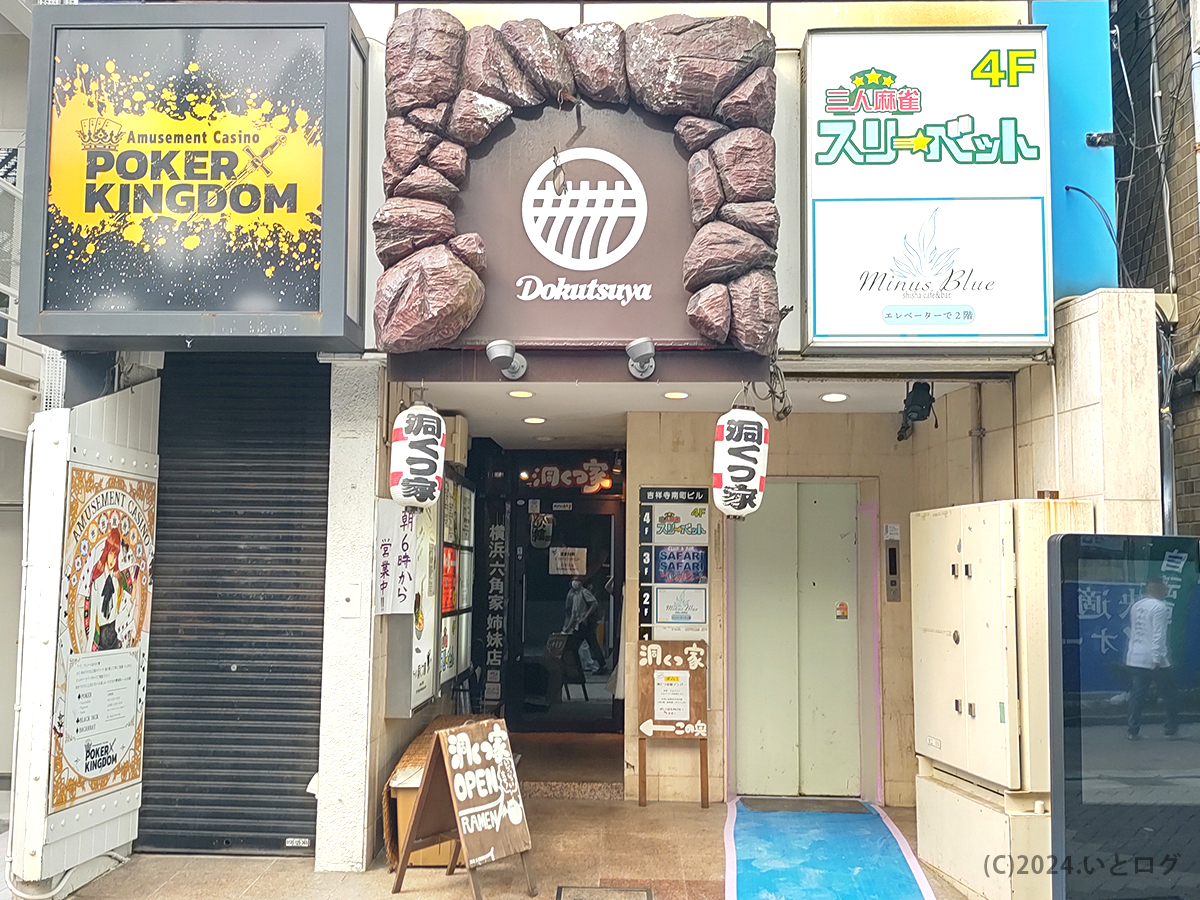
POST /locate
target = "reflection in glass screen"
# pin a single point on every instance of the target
(1131, 703)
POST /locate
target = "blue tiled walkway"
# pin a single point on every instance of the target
(819, 856)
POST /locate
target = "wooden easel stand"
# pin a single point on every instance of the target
(435, 821)
(703, 742)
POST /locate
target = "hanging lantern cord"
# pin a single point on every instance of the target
(776, 390)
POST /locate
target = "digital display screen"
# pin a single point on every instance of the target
(1125, 644)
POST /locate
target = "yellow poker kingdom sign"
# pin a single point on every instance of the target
(185, 170)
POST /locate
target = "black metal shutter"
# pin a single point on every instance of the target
(233, 688)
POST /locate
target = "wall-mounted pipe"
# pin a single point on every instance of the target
(1160, 146)
(977, 434)
(1166, 427)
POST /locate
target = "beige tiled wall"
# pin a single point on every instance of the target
(788, 21)
(791, 21)
(1107, 421)
(1107, 439)
(389, 737)
(943, 455)
(627, 13)
(676, 448)
(14, 73)
(555, 15)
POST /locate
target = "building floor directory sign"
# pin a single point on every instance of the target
(928, 182)
(673, 529)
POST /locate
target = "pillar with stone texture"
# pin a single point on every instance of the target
(345, 809)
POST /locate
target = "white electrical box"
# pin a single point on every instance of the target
(964, 640)
(981, 693)
(980, 659)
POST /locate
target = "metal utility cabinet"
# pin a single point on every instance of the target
(981, 696)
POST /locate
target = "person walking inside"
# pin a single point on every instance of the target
(1148, 659)
(582, 608)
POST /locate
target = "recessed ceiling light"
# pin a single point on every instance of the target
(535, 420)
(543, 437)
(521, 395)
(834, 397)
(676, 395)
(524, 476)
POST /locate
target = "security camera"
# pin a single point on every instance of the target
(641, 357)
(918, 404)
(504, 356)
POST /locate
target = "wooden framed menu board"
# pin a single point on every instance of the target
(673, 701)
(469, 795)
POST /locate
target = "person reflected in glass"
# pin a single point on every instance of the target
(1148, 659)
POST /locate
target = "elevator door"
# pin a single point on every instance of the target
(796, 714)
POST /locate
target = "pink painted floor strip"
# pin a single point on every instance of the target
(913, 863)
(731, 851)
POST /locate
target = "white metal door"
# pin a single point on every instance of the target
(828, 653)
(938, 712)
(989, 624)
(766, 710)
(93, 471)
(796, 712)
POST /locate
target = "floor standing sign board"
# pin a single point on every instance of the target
(469, 795)
(673, 701)
(84, 642)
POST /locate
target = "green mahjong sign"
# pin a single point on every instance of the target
(927, 215)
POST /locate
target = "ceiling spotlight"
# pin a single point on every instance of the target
(520, 395)
(918, 404)
(535, 420)
(641, 358)
(676, 395)
(835, 397)
(504, 356)
(524, 476)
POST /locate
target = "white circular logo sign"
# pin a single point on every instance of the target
(576, 229)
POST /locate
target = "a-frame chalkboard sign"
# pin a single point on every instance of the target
(469, 795)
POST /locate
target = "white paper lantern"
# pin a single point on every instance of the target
(740, 462)
(418, 456)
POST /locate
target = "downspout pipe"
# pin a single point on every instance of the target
(1190, 366)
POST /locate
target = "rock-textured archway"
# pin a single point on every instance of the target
(447, 89)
